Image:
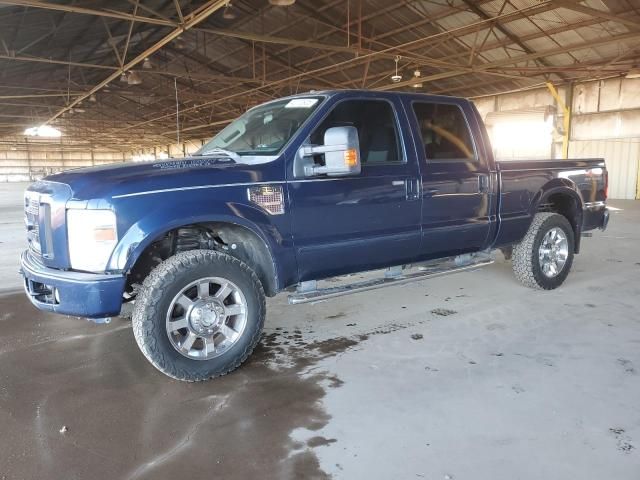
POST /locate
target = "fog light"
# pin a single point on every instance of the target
(56, 295)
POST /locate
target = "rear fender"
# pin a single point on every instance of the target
(565, 188)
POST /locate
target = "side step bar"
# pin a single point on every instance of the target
(308, 292)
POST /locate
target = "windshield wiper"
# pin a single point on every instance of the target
(221, 151)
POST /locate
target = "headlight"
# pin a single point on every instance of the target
(92, 237)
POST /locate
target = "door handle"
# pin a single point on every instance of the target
(412, 188)
(411, 185)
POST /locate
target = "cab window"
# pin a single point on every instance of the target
(444, 132)
(376, 125)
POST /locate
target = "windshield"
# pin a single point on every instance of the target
(263, 130)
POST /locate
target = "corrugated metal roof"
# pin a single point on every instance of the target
(461, 47)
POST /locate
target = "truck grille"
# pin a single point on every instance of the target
(44, 218)
(32, 221)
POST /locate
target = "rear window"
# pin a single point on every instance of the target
(444, 132)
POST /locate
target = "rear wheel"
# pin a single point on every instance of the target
(199, 315)
(544, 257)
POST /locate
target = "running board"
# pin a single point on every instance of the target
(307, 291)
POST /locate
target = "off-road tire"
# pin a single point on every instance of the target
(152, 304)
(525, 262)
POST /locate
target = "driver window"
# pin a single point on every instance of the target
(376, 125)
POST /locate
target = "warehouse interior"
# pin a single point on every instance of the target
(125, 81)
(464, 376)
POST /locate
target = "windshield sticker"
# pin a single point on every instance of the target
(301, 103)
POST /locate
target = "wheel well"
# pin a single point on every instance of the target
(568, 206)
(234, 240)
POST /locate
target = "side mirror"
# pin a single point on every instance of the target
(341, 151)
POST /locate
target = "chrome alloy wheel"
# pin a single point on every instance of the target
(206, 318)
(553, 252)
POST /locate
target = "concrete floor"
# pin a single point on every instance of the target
(469, 376)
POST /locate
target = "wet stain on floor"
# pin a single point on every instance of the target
(443, 312)
(123, 419)
(623, 441)
(627, 365)
(320, 441)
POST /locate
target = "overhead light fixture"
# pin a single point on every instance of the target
(416, 74)
(229, 12)
(397, 77)
(633, 73)
(43, 131)
(179, 44)
(134, 79)
(147, 65)
(92, 98)
(282, 3)
(123, 77)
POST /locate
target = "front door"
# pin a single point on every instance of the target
(366, 221)
(456, 181)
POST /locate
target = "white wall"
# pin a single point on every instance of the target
(619, 155)
(29, 161)
(26, 160)
(605, 122)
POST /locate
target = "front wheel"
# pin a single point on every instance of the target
(199, 315)
(544, 256)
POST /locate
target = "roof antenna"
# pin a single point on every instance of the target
(175, 85)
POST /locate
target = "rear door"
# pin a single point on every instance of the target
(366, 221)
(457, 185)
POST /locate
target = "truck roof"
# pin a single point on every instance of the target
(380, 93)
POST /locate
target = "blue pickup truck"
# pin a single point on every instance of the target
(295, 191)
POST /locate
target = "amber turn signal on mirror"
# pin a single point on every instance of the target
(351, 158)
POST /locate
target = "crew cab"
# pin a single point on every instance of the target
(294, 191)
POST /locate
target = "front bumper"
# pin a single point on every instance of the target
(71, 293)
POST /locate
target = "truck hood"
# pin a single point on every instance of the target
(108, 181)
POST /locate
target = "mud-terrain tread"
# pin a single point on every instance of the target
(523, 257)
(147, 306)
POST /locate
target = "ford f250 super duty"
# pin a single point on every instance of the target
(294, 191)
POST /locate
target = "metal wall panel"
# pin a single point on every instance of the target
(607, 125)
(622, 157)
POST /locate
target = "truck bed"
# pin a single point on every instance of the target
(525, 186)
